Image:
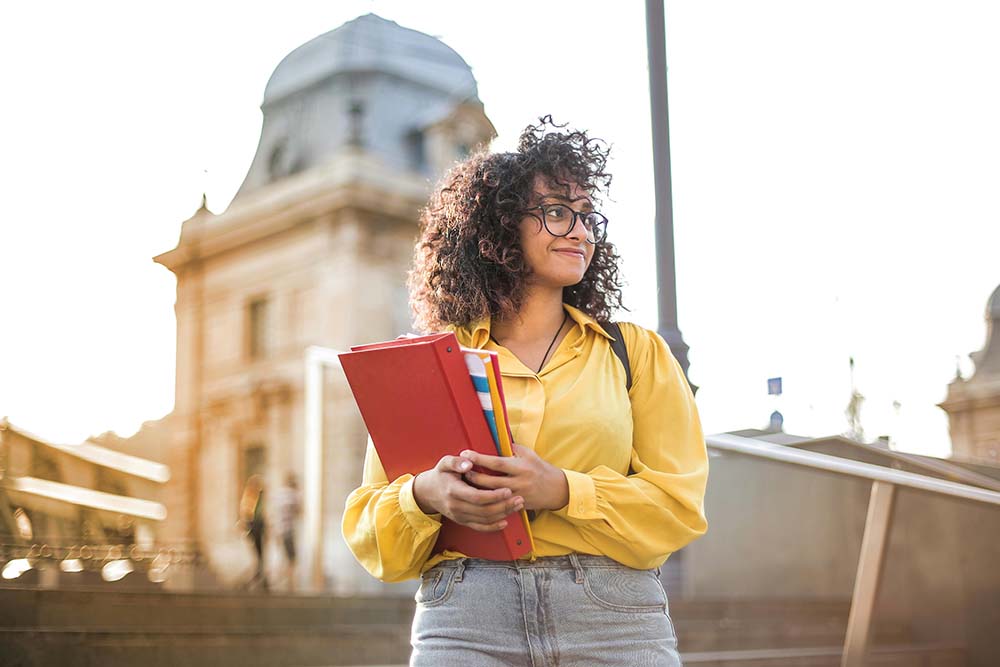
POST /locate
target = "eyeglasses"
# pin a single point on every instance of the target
(559, 220)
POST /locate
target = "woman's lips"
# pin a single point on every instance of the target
(574, 253)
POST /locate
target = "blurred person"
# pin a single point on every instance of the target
(513, 257)
(289, 507)
(253, 524)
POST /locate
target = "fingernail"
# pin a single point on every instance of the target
(464, 465)
(503, 524)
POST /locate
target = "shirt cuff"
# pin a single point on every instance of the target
(419, 521)
(582, 497)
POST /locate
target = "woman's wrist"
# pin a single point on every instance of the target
(420, 494)
(560, 490)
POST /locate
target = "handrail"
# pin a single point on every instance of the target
(789, 454)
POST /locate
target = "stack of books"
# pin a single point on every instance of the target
(426, 397)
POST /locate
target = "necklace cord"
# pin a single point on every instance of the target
(561, 325)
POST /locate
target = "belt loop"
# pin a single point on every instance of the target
(577, 568)
(459, 570)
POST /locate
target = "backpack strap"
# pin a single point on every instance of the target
(618, 345)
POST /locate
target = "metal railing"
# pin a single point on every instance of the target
(878, 522)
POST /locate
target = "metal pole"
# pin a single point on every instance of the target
(664, 226)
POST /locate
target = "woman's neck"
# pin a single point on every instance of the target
(540, 314)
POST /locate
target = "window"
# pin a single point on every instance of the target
(416, 151)
(277, 161)
(258, 329)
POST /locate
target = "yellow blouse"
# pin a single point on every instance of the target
(577, 415)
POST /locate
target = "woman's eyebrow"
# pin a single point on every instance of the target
(587, 204)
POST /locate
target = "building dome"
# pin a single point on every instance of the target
(372, 43)
(987, 360)
(993, 305)
(370, 84)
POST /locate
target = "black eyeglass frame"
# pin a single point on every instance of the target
(602, 225)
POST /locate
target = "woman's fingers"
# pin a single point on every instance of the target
(469, 494)
(505, 464)
(487, 527)
(465, 513)
(454, 464)
(485, 481)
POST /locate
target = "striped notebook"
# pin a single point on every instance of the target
(484, 368)
(481, 381)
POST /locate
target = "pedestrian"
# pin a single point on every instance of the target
(609, 460)
(253, 523)
(289, 506)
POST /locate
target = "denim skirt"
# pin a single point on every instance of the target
(557, 611)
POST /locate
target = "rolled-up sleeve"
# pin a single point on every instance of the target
(641, 518)
(384, 527)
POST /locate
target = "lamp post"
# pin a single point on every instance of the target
(666, 274)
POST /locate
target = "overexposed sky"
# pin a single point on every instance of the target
(836, 170)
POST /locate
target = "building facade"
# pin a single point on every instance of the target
(313, 251)
(973, 404)
(79, 505)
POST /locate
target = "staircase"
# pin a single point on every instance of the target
(799, 633)
(87, 628)
(123, 629)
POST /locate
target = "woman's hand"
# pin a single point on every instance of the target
(542, 485)
(443, 490)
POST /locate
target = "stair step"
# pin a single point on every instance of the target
(118, 628)
(900, 655)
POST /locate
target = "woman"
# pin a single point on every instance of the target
(512, 257)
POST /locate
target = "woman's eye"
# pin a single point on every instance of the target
(556, 212)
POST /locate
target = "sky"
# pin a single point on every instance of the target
(835, 170)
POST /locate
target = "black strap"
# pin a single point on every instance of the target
(618, 345)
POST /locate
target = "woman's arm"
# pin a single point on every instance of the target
(383, 526)
(640, 519)
(387, 528)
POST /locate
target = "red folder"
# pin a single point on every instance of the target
(419, 404)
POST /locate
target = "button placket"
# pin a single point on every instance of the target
(532, 413)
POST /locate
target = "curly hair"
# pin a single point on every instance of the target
(468, 262)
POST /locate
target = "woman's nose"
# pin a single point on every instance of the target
(577, 230)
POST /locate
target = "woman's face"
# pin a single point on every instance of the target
(556, 261)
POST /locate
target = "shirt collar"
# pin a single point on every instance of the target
(477, 333)
(586, 321)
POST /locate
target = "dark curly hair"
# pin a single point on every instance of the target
(468, 263)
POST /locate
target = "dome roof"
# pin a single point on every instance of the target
(372, 43)
(370, 85)
(993, 305)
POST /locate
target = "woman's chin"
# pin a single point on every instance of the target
(557, 281)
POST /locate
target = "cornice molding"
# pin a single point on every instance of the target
(351, 181)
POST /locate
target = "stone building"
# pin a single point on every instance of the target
(973, 404)
(313, 251)
(78, 502)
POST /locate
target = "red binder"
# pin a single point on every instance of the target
(419, 404)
